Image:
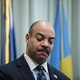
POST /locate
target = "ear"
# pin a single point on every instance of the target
(27, 37)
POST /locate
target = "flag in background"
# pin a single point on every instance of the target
(61, 53)
(9, 51)
(55, 56)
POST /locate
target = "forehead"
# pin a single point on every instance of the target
(44, 28)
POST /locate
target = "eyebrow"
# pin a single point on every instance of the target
(44, 36)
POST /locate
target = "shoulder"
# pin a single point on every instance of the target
(10, 66)
(57, 73)
(7, 69)
(10, 70)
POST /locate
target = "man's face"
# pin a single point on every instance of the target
(40, 43)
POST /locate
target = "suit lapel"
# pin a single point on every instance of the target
(52, 74)
(26, 73)
(24, 69)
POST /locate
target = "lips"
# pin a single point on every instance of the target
(44, 51)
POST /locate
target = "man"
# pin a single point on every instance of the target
(40, 41)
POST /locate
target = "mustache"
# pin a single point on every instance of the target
(44, 50)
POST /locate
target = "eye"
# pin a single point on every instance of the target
(39, 37)
(51, 41)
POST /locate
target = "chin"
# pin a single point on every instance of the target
(41, 61)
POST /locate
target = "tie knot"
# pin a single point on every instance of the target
(40, 73)
(40, 68)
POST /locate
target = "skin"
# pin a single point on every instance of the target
(40, 43)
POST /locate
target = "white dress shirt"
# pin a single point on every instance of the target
(32, 64)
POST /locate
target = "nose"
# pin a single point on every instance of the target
(45, 43)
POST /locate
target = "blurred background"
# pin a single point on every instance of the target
(25, 12)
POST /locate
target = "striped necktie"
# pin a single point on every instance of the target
(40, 74)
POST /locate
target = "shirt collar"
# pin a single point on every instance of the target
(32, 64)
(45, 66)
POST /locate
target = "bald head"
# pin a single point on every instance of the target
(40, 23)
(40, 41)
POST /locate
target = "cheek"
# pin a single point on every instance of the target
(51, 47)
(33, 44)
(31, 48)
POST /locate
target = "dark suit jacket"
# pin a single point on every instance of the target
(19, 70)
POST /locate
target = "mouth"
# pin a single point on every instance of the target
(42, 55)
(43, 51)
